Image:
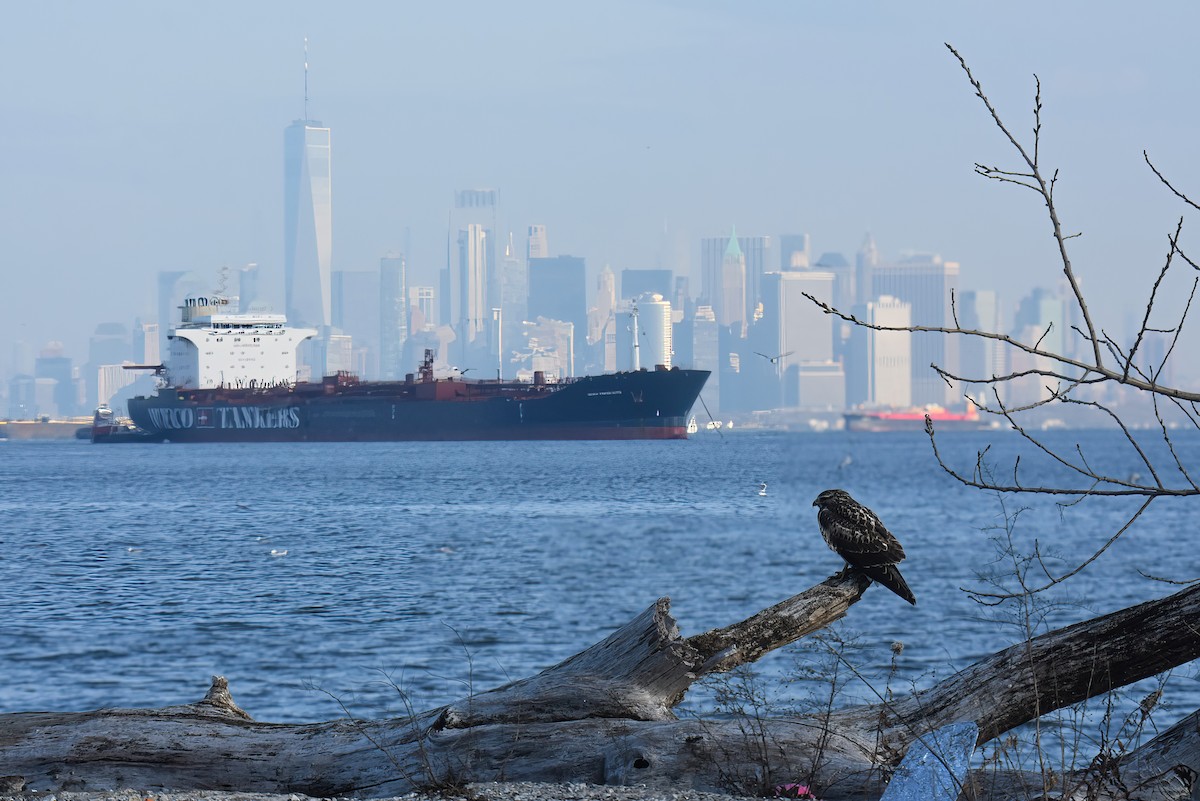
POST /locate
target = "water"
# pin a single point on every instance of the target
(312, 575)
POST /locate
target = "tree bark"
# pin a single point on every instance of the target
(1165, 768)
(1055, 670)
(643, 670)
(605, 716)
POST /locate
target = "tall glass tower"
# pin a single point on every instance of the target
(307, 223)
(393, 317)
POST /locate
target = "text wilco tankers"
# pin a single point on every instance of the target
(226, 417)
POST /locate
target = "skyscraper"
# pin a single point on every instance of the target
(471, 281)
(474, 245)
(980, 358)
(795, 252)
(604, 339)
(865, 262)
(606, 294)
(755, 253)
(356, 313)
(537, 247)
(654, 324)
(798, 340)
(731, 303)
(712, 253)
(422, 302)
(635, 283)
(1046, 317)
(601, 312)
(844, 293)
(706, 355)
(53, 365)
(796, 329)
(653, 333)
(145, 343)
(307, 223)
(879, 363)
(393, 317)
(514, 305)
(681, 298)
(558, 291)
(925, 282)
(109, 345)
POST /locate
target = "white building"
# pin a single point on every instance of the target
(880, 362)
(537, 246)
(654, 343)
(473, 268)
(797, 331)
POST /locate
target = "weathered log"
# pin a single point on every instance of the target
(643, 669)
(1059, 668)
(1164, 769)
(604, 716)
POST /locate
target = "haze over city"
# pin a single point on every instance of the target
(145, 137)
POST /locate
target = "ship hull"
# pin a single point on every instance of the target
(635, 405)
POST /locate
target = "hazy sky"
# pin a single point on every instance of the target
(139, 137)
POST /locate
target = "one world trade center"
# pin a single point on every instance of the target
(307, 223)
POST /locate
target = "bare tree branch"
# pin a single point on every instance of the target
(1046, 192)
(1174, 240)
(1167, 183)
(1109, 374)
(1054, 580)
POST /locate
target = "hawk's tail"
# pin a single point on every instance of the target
(889, 576)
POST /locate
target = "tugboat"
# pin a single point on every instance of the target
(107, 428)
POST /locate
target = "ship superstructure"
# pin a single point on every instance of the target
(213, 348)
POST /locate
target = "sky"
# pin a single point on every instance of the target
(147, 136)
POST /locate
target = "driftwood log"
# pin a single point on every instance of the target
(605, 716)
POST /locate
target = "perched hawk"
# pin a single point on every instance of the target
(857, 535)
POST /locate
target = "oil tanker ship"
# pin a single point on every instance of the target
(914, 419)
(231, 378)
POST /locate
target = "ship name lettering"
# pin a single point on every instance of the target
(609, 392)
(168, 417)
(258, 417)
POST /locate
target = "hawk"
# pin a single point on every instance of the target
(857, 535)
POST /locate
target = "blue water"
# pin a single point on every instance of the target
(312, 574)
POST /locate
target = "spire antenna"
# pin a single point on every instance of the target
(306, 79)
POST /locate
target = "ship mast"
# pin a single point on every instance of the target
(498, 322)
(637, 354)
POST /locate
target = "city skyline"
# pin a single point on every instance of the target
(883, 141)
(816, 367)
